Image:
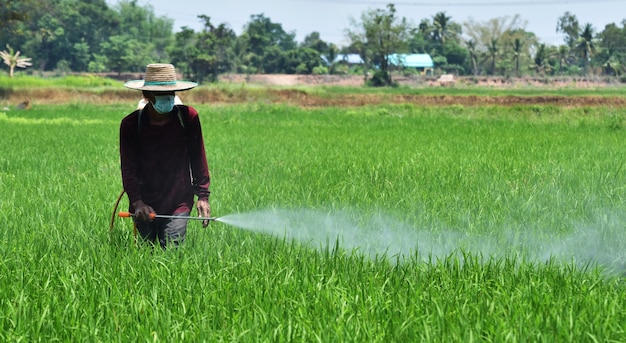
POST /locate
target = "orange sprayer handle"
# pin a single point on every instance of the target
(128, 215)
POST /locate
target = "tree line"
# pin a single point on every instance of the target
(91, 36)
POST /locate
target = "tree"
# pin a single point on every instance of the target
(203, 65)
(455, 56)
(542, 64)
(302, 60)
(140, 23)
(441, 38)
(492, 38)
(261, 34)
(62, 32)
(80, 56)
(517, 53)
(444, 28)
(586, 46)
(493, 50)
(358, 45)
(14, 18)
(239, 56)
(182, 49)
(330, 57)
(419, 39)
(563, 54)
(274, 60)
(612, 55)
(315, 42)
(85, 24)
(568, 25)
(13, 60)
(471, 47)
(45, 40)
(213, 50)
(122, 52)
(380, 33)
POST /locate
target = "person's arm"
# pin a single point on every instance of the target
(199, 167)
(129, 161)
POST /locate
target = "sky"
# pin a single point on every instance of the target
(332, 17)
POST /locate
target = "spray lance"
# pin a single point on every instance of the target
(153, 216)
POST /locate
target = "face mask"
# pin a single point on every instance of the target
(163, 104)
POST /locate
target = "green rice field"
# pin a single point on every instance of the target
(391, 223)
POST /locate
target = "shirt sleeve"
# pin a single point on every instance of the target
(197, 156)
(129, 157)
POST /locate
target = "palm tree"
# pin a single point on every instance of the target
(542, 60)
(563, 57)
(424, 27)
(493, 50)
(585, 45)
(331, 56)
(441, 29)
(517, 53)
(14, 60)
(471, 48)
(613, 66)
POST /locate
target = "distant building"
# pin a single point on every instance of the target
(421, 62)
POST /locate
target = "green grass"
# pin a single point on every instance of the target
(469, 90)
(492, 188)
(78, 81)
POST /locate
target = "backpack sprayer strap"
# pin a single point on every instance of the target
(140, 115)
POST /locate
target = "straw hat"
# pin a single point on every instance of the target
(160, 78)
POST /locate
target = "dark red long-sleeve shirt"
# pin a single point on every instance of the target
(167, 165)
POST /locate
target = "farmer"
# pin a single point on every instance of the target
(163, 160)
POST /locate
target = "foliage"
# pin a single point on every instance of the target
(380, 33)
(612, 55)
(302, 60)
(79, 36)
(441, 38)
(13, 16)
(210, 53)
(585, 46)
(266, 41)
(568, 25)
(315, 42)
(13, 60)
(499, 46)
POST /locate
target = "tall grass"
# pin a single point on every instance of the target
(491, 183)
(77, 81)
(469, 90)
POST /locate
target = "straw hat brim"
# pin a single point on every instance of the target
(178, 86)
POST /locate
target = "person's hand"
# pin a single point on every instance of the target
(143, 211)
(204, 210)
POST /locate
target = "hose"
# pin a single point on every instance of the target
(114, 214)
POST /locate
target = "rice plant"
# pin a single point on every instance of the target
(383, 223)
